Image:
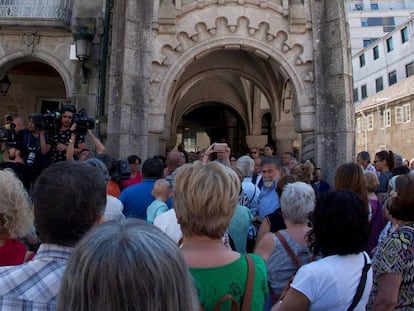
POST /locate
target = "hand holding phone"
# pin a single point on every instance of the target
(220, 147)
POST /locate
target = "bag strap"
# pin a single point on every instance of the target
(361, 285)
(254, 193)
(295, 259)
(234, 304)
(248, 290)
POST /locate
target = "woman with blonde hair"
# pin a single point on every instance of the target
(16, 220)
(204, 212)
(128, 265)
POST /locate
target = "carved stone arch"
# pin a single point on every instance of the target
(299, 77)
(12, 59)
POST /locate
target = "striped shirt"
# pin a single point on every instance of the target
(35, 284)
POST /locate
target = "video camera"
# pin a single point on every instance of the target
(7, 132)
(51, 121)
(118, 169)
(48, 121)
(83, 122)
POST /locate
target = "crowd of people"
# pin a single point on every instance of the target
(201, 231)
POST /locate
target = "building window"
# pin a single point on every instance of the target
(356, 95)
(409, 69)
(404, 35)
(364, 23)
(399, 115)
(358, 6)
(362, 60)
(403, 114)
(379, 84)
(407, 113)
(366, 123)
(392, 77)
(374, 6)
(390, 45)
(366, 42)
(364, 91)
(370, 122)
(387, 117)
(375, 52)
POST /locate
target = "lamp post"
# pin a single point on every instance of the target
(83, 41)
(5, 85)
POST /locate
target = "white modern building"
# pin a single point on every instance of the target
(384, 92)
(370, 20)
(385, 62)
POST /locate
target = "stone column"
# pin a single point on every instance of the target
(334, 110)
(129, 75)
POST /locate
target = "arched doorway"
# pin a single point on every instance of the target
(35, 87)
(251, 86)
(212, 122)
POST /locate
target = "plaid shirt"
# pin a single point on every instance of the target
(35, 284)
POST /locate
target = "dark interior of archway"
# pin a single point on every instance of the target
(32, 68)
(220, 122)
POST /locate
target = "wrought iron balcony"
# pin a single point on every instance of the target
(54, 13)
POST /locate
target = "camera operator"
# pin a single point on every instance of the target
(58, 142)
(35, 158)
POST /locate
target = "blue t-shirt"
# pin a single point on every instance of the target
(137, 198)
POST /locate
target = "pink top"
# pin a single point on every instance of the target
(132, 181)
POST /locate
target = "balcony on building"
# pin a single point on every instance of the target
(36, 13)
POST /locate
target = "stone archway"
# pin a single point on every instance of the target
(259, 53)
(36, 86)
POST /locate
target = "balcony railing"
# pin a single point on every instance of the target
(36, 12)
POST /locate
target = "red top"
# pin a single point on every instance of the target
(132, 181)
(12, 253)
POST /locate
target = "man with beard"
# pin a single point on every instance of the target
(268, 199)
(15, 162)
(59, 141)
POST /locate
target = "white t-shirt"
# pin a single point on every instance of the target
(113, 209)
(331, 282)
(167, 222)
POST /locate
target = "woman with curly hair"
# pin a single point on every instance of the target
(341, 279)
(16, 220)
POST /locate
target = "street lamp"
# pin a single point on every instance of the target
(5, 85)
(83, 41)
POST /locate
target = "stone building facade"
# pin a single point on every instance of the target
(162, 71)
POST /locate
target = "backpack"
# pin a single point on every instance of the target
(248, 291)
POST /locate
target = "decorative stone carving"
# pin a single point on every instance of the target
(30, 41)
